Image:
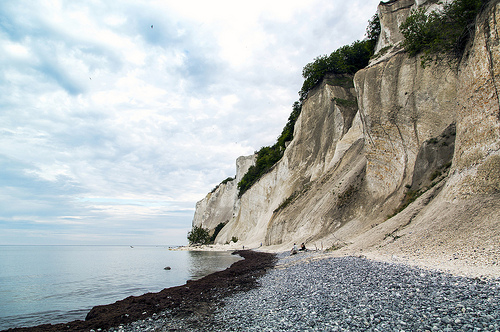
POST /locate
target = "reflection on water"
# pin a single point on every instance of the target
(202, 263)
(56, 284)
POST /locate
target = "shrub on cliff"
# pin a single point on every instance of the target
(441, 34)
(267, 156)
(217, 230)
(346, 60)
(373, 32)
(287, 132)
(229, 179)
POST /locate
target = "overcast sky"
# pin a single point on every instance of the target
(116, 117)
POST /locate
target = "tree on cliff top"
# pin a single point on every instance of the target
(443, 34)
(346, 60)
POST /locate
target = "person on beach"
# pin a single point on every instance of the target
(302, 247)
(294, 249)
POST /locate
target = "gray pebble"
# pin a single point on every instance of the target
(350, 294)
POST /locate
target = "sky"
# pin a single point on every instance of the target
(116, 117)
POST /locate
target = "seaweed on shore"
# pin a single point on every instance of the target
(199, 298)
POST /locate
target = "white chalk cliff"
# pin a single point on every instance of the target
(351, 167)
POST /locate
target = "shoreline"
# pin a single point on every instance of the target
(217, 247)
(198, 305)
(199, 297)
(455, 262)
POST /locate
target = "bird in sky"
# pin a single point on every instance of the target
(151, 26)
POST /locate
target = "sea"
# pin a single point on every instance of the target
(57, 284)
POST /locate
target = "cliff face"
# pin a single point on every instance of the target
(324, 122)
(476, 164)
(220, 205)
(431, 133)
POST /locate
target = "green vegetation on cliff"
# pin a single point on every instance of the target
(268, 156)
(346, 60)
(441, 35)
(229, 179)
(217, 230)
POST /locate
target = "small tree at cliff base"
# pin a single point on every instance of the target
(198, 235)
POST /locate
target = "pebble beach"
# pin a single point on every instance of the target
(313, 291)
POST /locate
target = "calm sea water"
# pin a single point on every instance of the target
(55, 284)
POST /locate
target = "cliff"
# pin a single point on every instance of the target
(220, 205)
(397, 160)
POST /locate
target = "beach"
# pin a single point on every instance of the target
(309, 291)
(317, 291)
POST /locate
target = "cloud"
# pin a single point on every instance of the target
(111, 129)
